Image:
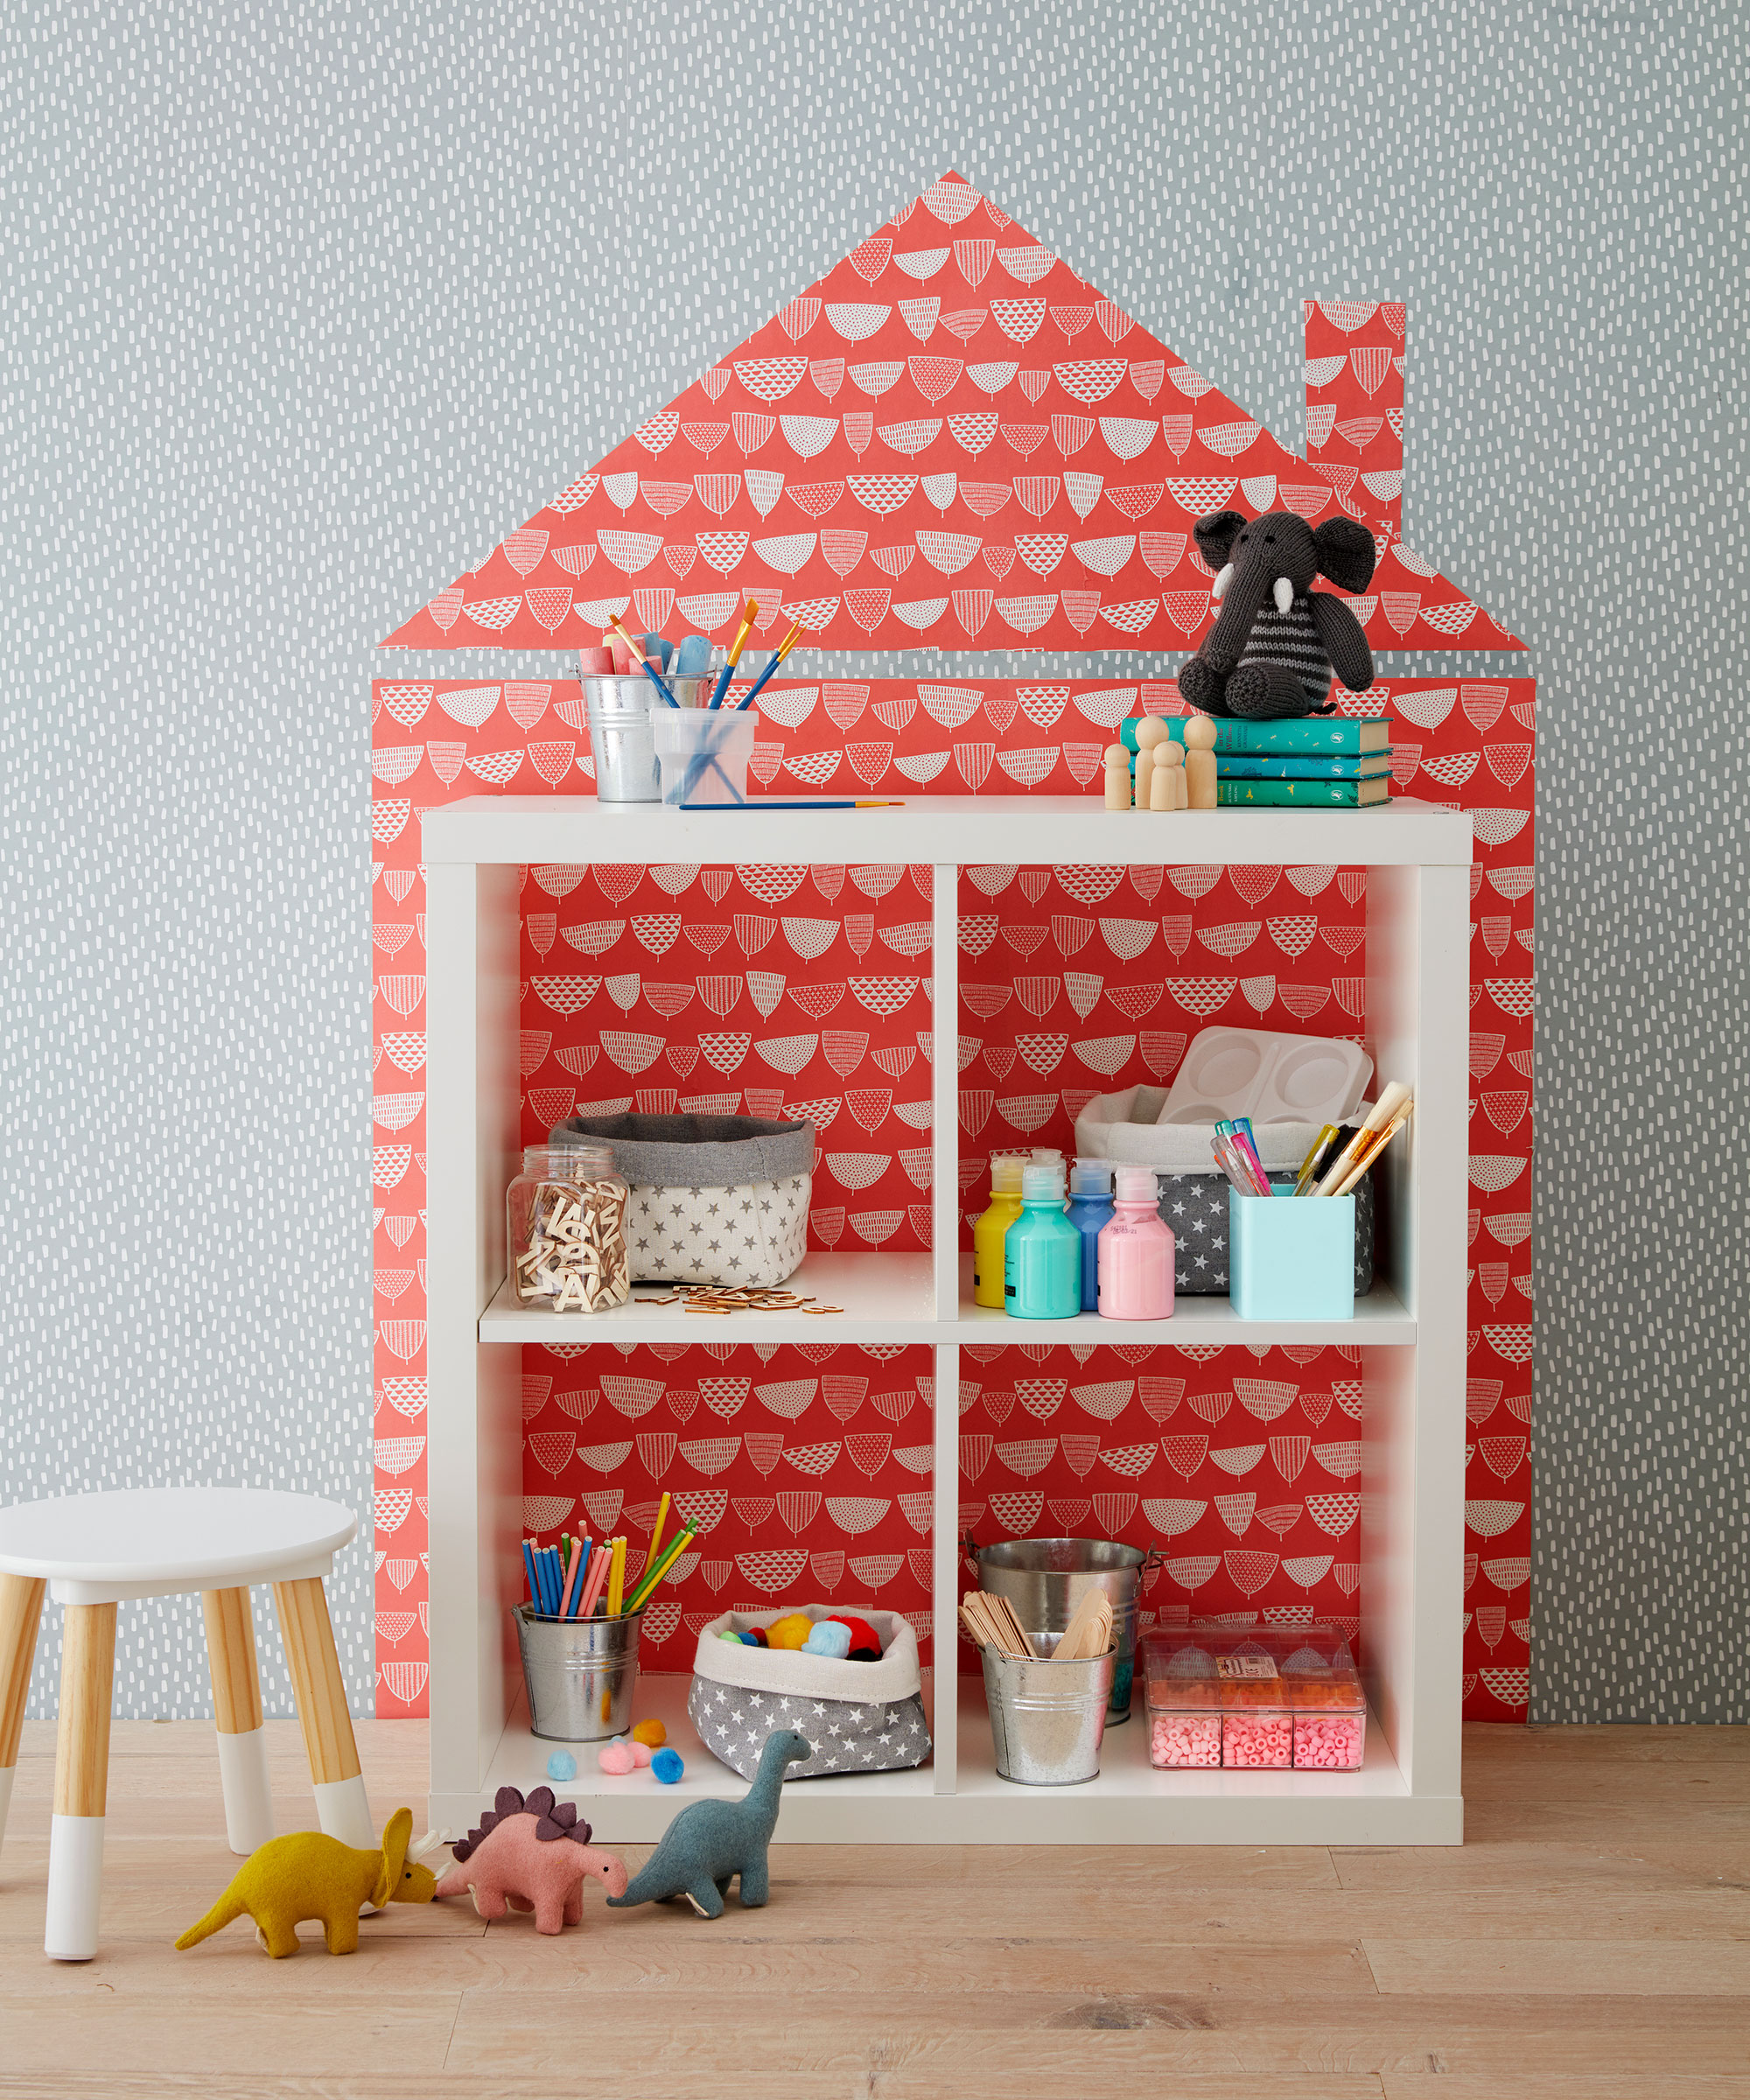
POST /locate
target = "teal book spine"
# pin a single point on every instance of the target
(1368, 766)
(1331, 794)
(1295, 738)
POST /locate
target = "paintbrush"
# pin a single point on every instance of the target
(750, 613)
(783, 650)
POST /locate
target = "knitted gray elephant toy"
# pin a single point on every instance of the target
(1275, 639)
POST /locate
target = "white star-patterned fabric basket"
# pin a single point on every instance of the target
(1194, 1191)
(715, 1199)
(859, 1716)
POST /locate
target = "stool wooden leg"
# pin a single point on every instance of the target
(237, 1715)
(87, 1677)
(341, 1806)
(21, 1612)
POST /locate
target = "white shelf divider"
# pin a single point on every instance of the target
(1411, 1329)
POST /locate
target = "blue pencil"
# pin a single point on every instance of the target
(583, 1571)
(529, 1565)
(543, 1560)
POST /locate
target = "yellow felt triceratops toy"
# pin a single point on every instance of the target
(308, 1875)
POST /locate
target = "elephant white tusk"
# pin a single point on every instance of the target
(1219, 586)
(1284, 595)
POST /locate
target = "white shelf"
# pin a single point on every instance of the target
(886, 1297)
(890, 1296)
(1065, 830)
(1128, 1803)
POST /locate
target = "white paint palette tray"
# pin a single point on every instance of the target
(1233, 1072)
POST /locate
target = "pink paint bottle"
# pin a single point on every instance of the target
(1136, 1251)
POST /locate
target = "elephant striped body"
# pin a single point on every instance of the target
(1290, 641)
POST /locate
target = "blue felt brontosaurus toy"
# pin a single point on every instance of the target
(710, 1842)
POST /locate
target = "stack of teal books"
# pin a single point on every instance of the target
(1324, 760)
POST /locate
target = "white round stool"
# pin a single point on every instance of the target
(92, 1551)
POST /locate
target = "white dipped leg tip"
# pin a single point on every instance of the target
(75, 1888)
(343, 1810)
(249, 1799)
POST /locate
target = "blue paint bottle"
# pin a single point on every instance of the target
(1042, 1252)
(1090, 1207)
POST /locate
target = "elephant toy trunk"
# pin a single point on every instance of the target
(1248, 593)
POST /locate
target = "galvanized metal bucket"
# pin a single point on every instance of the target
(1047, 1718)
(581, 1674)
(1047, 1579)
(620, 737)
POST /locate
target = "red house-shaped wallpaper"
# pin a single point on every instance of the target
(950, 441)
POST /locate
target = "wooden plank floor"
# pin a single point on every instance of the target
(1591, 1942)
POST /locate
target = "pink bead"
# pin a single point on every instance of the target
(1329, 1742)
(1180, 1740)
(615, 1757)
(1256, 1739)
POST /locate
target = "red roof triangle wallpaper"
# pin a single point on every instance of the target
(950, 441)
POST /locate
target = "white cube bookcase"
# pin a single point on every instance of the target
(1411, 1328)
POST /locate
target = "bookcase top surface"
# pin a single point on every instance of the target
(1059, 829)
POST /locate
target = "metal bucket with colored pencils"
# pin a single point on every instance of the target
(580, 1673)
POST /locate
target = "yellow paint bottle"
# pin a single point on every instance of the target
(990, 1232)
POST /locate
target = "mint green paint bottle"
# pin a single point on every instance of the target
(1042, 1252)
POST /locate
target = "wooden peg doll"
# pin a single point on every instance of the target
(1200, 762)
(1118, 777)
(1151, 734)
(1166, 782)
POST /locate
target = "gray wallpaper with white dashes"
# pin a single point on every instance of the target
(306, 306)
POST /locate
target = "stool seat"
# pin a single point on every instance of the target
(162, 1542)
(95, 1551)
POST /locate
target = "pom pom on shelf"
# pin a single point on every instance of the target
(561, 1765)
(667, 1766)
(865, 1644)
(649, 1732)
(616, 1758)
(830, 1637)
(791, 1632)
(641, 1754)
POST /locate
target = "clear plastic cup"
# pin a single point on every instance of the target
(702, 753)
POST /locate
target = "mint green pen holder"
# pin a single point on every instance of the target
(1292, 1258)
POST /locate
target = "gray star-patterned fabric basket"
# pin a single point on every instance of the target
(1194, 1193)
(858, 1717)
(715, 1199)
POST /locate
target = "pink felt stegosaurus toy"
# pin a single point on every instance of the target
(531, 1855)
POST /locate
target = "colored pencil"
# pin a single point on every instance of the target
(654, 1573)
(750, 613)
(528, 1568)
(616, 1579)
(571, 1580)
(1309, 1165)
(783, 650)
(593, 1590)
(656, 1528)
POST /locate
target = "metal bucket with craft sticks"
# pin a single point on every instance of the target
(1048, 1703)
(1048, 1579)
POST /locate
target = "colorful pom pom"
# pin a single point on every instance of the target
(666, 1767)
(641, 1754)
(865, 1642)
(616, 1758)
(830, 1637)
(562, 1765)
(791, 1632)
(649, 1732)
